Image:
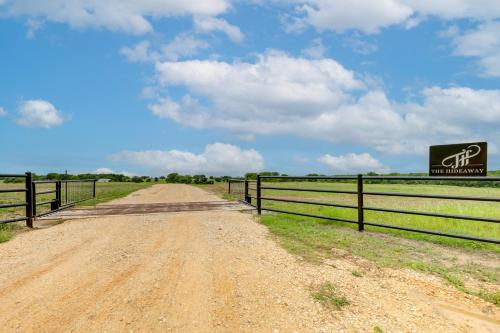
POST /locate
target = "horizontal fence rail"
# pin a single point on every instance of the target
(307, 190)
(43, 197)
(6, 175)
(310, 202)
(360, 194)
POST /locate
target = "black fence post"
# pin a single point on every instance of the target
(58, 194)
(247, 193)
(93, 195)
(229, 186)
(33, 195)
(29, 199)
(259, 204)
(361, 215)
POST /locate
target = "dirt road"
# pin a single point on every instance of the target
(216, 271)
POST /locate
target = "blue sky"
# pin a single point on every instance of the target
(226, 87)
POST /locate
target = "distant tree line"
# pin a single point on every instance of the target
(175, 178)
(171, 178)
(62, 176)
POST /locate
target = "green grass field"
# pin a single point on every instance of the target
(104, 192)
(464, 227)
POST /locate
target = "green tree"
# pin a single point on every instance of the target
(172, 177)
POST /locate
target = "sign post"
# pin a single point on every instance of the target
(466, 160)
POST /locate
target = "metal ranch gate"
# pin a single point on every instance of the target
(62, 194)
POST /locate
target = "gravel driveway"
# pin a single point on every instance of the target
(214, 271)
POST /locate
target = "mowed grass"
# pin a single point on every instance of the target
(104, 192)
(455, 207)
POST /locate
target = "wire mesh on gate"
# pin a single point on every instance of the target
(236, 189)
(76, 191)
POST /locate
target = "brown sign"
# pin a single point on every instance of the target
(466, 159)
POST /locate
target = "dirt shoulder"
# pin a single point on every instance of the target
(216, 271)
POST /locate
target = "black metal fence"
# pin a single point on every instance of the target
(360, 194)
(44, 197)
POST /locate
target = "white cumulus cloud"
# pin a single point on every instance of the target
(39, 113)
(279, 94)
(103, 171)
(216, 159)
(210, 24)
(358, 45)
(483, 44)
(182, 46)
(365, 15)
(106, 171)
(353, 163)
(371, 16)
(2, 112)
(140, 52)
(316, 50)
(275, 82)
(129, 16)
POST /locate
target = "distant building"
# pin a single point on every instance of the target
(104, 180)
